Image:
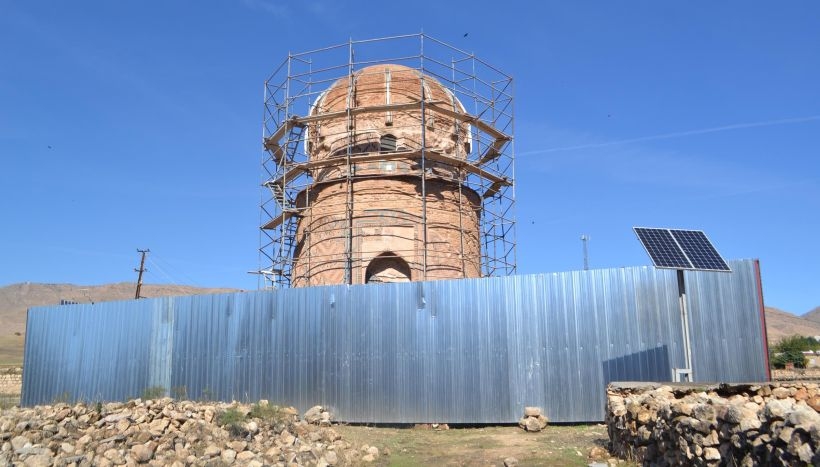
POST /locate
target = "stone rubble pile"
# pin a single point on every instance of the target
(533, 420)
(726, 424)
(177, 433)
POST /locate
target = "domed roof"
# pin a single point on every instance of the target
(381, 85)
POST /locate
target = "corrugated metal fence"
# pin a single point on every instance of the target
(460, 351)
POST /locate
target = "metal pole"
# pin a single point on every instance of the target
(351, 138)
(585, 241)
(687, 348)
(423, 166)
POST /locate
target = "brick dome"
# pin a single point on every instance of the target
(385, 130)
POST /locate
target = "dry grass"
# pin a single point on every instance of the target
(11, 350)
(568, 445)
(8, 401)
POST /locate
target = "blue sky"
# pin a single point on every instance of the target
(131, 124)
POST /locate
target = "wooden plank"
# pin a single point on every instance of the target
(480, 124)
(275, 150)
(432, 106)
(492, 190)
(492, 152)
(293, 172)
(278, 220)
(280, 132)
(298, 169)
(361, 110)
(469, 167)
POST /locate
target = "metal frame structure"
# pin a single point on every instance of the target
(488, 168)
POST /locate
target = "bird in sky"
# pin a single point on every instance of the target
(466, 33)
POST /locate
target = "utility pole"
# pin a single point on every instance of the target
(585, 241)
(140, 270)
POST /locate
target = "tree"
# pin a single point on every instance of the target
(790, 350)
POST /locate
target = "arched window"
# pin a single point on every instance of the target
(387, 267)
(387, 143)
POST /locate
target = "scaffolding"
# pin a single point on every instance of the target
(485, 166)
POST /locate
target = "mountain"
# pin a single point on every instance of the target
(15, 299)
(813, 315)
(780, 324)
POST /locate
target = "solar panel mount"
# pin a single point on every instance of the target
(680, 249)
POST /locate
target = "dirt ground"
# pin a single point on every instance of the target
(565, 445)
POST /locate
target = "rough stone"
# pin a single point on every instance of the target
(313, 414)
(532, 411)
(212, 451)
(238, 446)
(511, 462)
(711, 454)
(245, 456)
(39, 460)
(228, 455)
(19, 442)
(167, 432)
(142, 452)
(766, 424)
(532, 424)
(803, 416)
(252, 427)
(158, 426)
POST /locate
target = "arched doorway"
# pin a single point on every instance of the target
(387, 267)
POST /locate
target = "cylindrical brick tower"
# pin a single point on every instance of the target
(376, 171)
(395, 217)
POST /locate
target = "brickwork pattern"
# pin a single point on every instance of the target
(382, 208)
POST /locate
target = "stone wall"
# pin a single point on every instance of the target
(719, 424)
(796, 374)
(11, 380)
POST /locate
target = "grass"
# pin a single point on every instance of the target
(564, 445)
(11, 350)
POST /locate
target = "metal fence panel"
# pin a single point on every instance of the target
(459, 351)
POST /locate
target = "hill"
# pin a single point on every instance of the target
(15, 299)
(780, 324)
(813, 315)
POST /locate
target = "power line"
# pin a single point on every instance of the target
(169, 269)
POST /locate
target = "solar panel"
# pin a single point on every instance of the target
(662, 248)
(699, 250)
(680, 249)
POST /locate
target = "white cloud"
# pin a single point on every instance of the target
(678, 134)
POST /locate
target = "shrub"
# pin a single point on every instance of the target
(270, 414)
(790, 350)
(232, 420)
